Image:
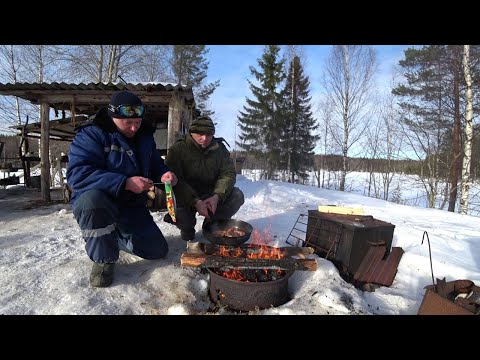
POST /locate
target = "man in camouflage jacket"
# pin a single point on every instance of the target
(206, 178)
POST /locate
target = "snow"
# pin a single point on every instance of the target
(44, 268)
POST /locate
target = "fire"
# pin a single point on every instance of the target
(233, 274)
(266, 251)
(259, 248)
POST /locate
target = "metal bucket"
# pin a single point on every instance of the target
(248, 296)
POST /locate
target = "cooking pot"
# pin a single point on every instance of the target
(222, 225)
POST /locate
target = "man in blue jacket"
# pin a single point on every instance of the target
(113, 162)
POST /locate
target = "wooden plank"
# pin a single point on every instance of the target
(332, 209)
(434, 304)
(244, 250)
(221, 262)
(375, 270)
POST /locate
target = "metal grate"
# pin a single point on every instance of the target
(298, 232)
(323, 236)
(305, 234)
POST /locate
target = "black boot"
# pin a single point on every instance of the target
(168, 219)
(102, 274)
(187, 235)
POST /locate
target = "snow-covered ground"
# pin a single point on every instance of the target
(44, 268)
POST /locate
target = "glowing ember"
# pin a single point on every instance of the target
(257, 249)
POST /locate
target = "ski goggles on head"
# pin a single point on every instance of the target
(128, 111)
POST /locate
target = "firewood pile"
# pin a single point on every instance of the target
(248, 256)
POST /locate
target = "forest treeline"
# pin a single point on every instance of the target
(333, 162)
(427, 114)
(424, 121)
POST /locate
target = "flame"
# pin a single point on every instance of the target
(234, 274)
(259, 248)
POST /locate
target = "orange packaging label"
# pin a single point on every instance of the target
(170, 200)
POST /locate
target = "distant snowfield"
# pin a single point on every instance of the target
(403, 189)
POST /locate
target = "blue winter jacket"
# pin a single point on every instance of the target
(102, 158)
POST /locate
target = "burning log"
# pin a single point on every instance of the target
(246, 250)
(221, 262)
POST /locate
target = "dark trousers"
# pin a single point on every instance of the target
(107, 227)
(186, 219)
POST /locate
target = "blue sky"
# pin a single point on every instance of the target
(230, 64)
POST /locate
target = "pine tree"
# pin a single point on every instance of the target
(434, 100)
(190, 67)
(298, 140)
(261, 121)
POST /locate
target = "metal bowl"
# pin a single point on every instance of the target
(221, 225)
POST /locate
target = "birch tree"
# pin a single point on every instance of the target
(98, 63)
(467, 148)
(348, 81)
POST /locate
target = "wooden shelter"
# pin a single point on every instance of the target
(169, 107)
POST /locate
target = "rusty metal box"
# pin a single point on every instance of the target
(345, 239)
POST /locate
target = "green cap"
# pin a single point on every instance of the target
(202, 125)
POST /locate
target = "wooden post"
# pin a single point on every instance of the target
(45, 147)
(59, 170)
(176, 112)
(173, 120)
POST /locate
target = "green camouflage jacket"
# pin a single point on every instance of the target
(200, 172)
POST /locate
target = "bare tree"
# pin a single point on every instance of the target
(467, 148)
(98, 63)
(424, 141)
(348, 81)
(383, 142)
(153, 64)
(40, 63)
(325, 111)
(10, 66)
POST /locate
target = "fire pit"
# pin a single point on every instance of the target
(248, 277)
(247, 296)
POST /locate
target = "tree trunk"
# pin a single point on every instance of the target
(468, 132)
(455, 169)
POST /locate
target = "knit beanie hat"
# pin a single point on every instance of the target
(202, 125)
(124, 97)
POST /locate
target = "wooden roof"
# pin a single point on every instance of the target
(87, 99)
